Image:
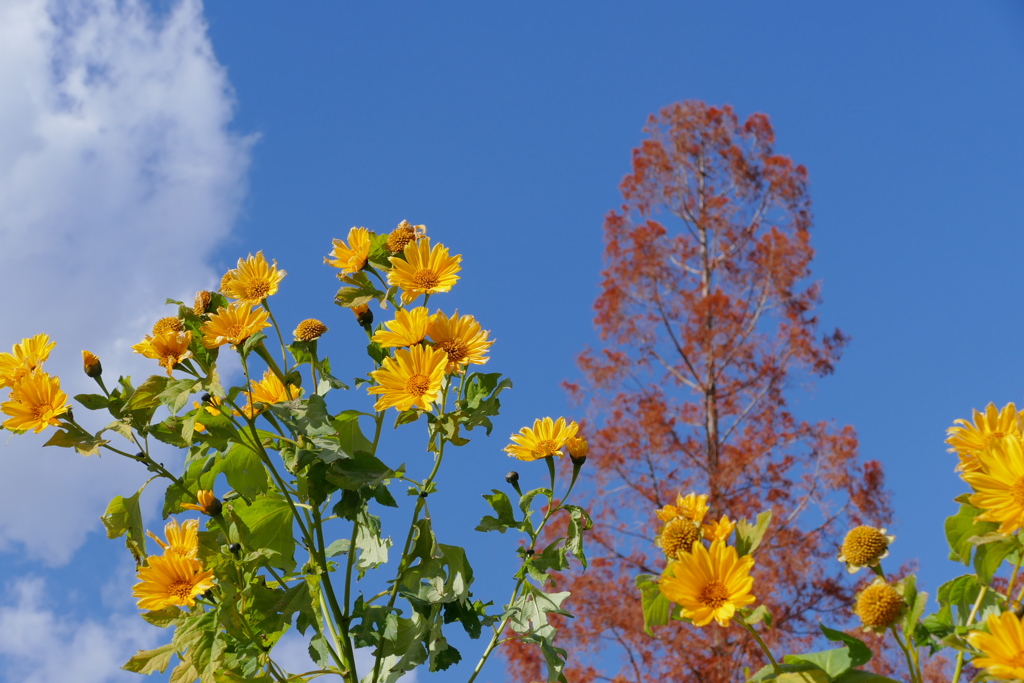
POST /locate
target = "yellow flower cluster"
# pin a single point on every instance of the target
(177, 576)
(36, 400)
(426, 346)
(991, 452)
(709, 583)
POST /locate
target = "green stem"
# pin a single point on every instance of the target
(1013, 580)
(280, 338)
(914, 678)
(970, 620)
(764, 648)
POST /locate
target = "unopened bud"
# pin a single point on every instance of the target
(512, 477)
(91, 364)
(207, 398)
(577, 447)
(235, 548)
(364, 316)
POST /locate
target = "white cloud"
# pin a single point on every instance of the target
(38, 645)
(118, 177)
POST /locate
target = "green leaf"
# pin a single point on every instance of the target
(75, 437)
(350, 436)
(579, 521)
(860, 653)
(165, 617)
(176, 394)
(529, 613)
(148, 394)
(759, 614)
(989, 556)
(749, 536)
(124, 516)
(269, 520)
(93, 402)
(243, 469)
(361, 292)
(503, 506)
(308, 417)
(656, 606)
(834, 662)
(151, 661)
(961, 593)
(373, 550)
(961, 528)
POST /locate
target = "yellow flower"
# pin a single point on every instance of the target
(1002, 647)
(709, 584)
(203, 300)
(169, 348)
(351, 256)
(170, 324)
(546, 438)
(677, 537)
(864, 546)
(233, 325)
(412, 378)
(461, 338)
(967, 439)
(208, 503)
(26, 356)
(91, 364)
(720, 530)
(403, 234)
(423, 270)
(171, 580)
(309, 329)
(253, 280)
(269, 390)
(879, 606)
(691, 507)
(999, 484)
(182, 540)
(407, 329)
(36, 403)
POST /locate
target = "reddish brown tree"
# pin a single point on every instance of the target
(707, 318)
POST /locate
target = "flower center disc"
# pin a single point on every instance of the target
(418, 385)
(180, 589)
(426, 279)
(547, 447)
(1017, 491)
(455, 348)
(258, 291)
(714, 594)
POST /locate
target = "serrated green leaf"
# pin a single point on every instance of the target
(151, 661)
(749, 536)
(656, 607)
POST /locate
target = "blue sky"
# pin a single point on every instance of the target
(162, 149)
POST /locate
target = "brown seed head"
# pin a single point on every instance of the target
(203, 299)
(168, 325)
(677, 537)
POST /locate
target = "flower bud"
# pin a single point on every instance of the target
(513, 478)
(91, 364)
(364, 316)
(235, 548)
(577, 447)
(202, 303)
(208, 504)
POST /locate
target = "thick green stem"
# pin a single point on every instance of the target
(970, 620)
(914, 675)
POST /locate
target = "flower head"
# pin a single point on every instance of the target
(182, 540)
(721, 530)
(691, 507)
(998, 483)
(91, 364)
(310, 329)
(363, 314)
(879, 606)
(36, 402)
(168, 348)
(171, 579)
(25, 357)
(412, 378)
(169, 324)
(202, 302)
(407, 329)
(1002, 647)
(253, 280)
(269, 390)
(547, 437)
(578, 448)
(864, 546)
(423, 270)
(208, 504)
(709, 584)
(677, 537)
(233, 325)
(403, 235)
(461, 338)
(351, 256)
(967, 439)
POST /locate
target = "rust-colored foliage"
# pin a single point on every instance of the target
(707, 319)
